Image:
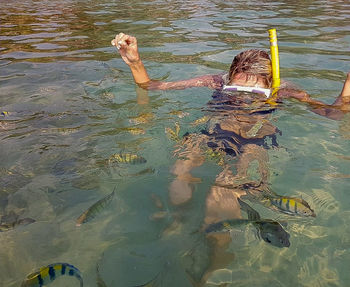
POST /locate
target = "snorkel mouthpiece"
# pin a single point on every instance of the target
(274, 59)
(257, 90)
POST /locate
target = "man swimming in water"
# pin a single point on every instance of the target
(239, 122)
(239, 126)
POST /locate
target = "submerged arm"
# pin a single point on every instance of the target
(334, 111)
(128, 50)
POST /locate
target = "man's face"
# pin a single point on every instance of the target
(241, 79)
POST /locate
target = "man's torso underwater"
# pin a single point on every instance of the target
(237, 119)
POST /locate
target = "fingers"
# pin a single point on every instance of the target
(122, 41)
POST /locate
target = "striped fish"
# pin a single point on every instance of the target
(173, 134)
(94, 209)
(47, 274)
(126, 158)
(292, 205)
(200, 121)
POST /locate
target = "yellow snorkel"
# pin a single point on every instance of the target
(275, 62)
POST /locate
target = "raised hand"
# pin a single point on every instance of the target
(127, 47)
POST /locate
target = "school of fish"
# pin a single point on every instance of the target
(270, 231)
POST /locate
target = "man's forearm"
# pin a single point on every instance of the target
(139, 73)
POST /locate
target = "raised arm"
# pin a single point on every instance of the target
(128, 50)
(334, 111)
(127, 47)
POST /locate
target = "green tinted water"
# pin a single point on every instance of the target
(72, 103)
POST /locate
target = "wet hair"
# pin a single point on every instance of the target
(252, 63)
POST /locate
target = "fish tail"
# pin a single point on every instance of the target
(266, 201)
(214, 227)
(252, 214)
(72, 271)
(25, 221)
(81, 219)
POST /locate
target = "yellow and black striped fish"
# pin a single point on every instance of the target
(126, 158)
(292, 205)
(200, 121)
(47, 274)
(94, 209)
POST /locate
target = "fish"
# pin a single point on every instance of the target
(142, 119)
(255, 128)
(135, 131)
(126, 158)
(180, 114)
(291, 205)
(148, 170)
(173, 134)
(49, 273)
(94, 209)
(11, 225)
(269, 230)
(200, 121)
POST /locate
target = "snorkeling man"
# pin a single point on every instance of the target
(239, 121)
(239, 126)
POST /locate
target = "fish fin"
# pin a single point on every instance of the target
(257, 234)
(191, 279)
(302, 201)
(252, 214)
(266, 202)
(150, 282)
(26, 221)
(235, 233)
(113, 192)
(283, 223)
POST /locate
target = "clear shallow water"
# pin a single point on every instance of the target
(72, 102)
